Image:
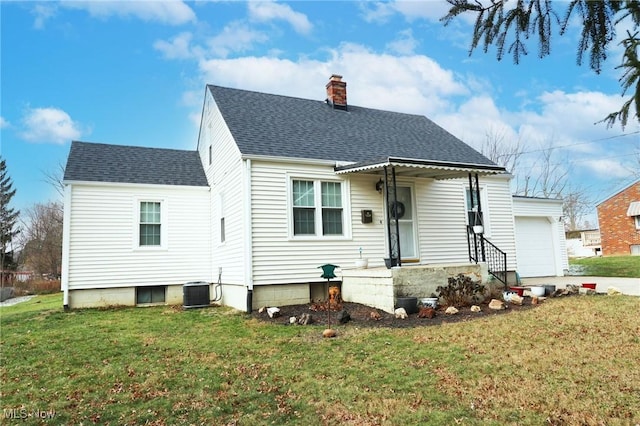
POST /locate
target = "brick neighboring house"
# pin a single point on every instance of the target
(619, 219)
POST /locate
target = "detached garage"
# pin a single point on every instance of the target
(540, 242)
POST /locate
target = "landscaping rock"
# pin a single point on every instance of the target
(496, 304)
(476, 308)
(273, 312)
(375, 315)
(343, 317)
(572, 289)
(401, 313)
(426, 312)
(612, 291)
(305, 319)
(586, 291)
(451, 310)
(329, 333)
(517, 300)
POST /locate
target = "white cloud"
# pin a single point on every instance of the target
(413, 84)
(235, 37)
(42, 13)
(4, 123)
(177, 48)
(172, 12)
(49, 125)
(611, 168)
(404, 44)
(265, 11)
(381, 12)
(431, 10)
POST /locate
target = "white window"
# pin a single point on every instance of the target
(151, 224)
(637, 218)
(317, 208)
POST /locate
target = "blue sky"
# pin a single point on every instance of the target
(134, 73)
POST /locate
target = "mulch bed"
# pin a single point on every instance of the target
(361, 315)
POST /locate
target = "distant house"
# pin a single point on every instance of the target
(584, 243)
(277, 187)
(619, 219)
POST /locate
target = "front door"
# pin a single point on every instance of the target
(406, 223)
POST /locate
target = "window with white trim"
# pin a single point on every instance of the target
(150, 224)
(317, 208)
(637, 218)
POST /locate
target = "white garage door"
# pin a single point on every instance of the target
(534, 247)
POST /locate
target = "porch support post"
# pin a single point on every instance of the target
(393, 228)
(395, 214)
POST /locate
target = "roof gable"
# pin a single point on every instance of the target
(280, 126)
(95, 162)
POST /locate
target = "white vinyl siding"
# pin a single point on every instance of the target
(278, 255)
(103, 246)
(442, 218)
(225, 176)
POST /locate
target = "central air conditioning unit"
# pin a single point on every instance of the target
(195, 295)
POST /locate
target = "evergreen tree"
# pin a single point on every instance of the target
(8, 219)
(509, 28)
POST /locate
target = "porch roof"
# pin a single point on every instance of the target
(421, 168)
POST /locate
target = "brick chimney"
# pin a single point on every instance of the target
(337, 92)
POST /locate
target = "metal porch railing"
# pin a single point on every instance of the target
(483, 250)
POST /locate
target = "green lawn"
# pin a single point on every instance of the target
(568, 361)
(610, 266)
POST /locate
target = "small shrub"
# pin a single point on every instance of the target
(461, 290)
(36, 286)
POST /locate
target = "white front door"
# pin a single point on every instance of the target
(406, 223)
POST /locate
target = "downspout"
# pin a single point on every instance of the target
(248, 232)
(66, 236)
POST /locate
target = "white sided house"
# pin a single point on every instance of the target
(277, 187)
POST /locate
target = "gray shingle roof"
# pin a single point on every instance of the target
(273, 125)
(98, 162)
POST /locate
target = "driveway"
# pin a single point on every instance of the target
(629, 286)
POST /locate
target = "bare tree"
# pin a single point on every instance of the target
(497, 148)
(576, 205)
(547, 175)
(41, 238)
(55, 178)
